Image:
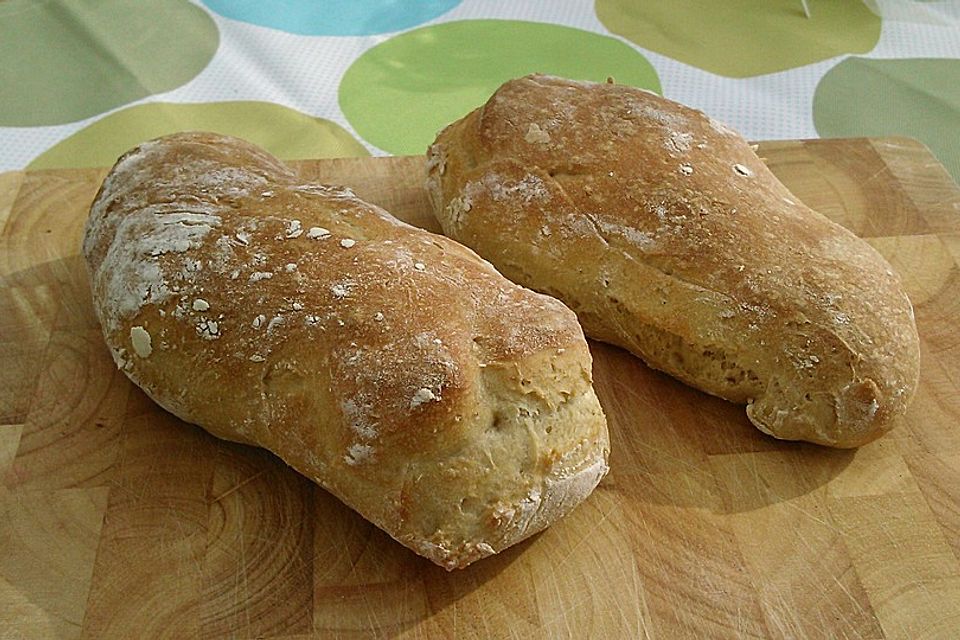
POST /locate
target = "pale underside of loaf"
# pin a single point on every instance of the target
(447, 405)
(669, 237)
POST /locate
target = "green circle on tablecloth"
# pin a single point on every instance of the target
(917, 97)
(743, 38)
(398, 94)
(69, 59)
(284, 132)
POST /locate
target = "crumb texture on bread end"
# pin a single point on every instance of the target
(668, 236)
(392, 366)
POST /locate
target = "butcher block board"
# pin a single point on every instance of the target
(120, 521)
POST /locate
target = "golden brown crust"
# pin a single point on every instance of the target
(668, 236)
(377, 359)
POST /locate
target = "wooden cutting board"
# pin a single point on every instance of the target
(119, 521)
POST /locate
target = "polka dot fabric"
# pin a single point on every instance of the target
(339, 77)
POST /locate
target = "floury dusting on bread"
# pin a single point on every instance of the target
(449, 406)
(669, 237)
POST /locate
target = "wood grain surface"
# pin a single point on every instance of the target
(119, 521)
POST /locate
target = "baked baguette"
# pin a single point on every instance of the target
(669, 237)
(395, 368)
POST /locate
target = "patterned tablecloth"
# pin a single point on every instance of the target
(83, 80)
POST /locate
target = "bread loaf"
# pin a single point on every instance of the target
(395, 368)
(669, 237)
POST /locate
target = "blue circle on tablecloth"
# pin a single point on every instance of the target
(333, 17)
